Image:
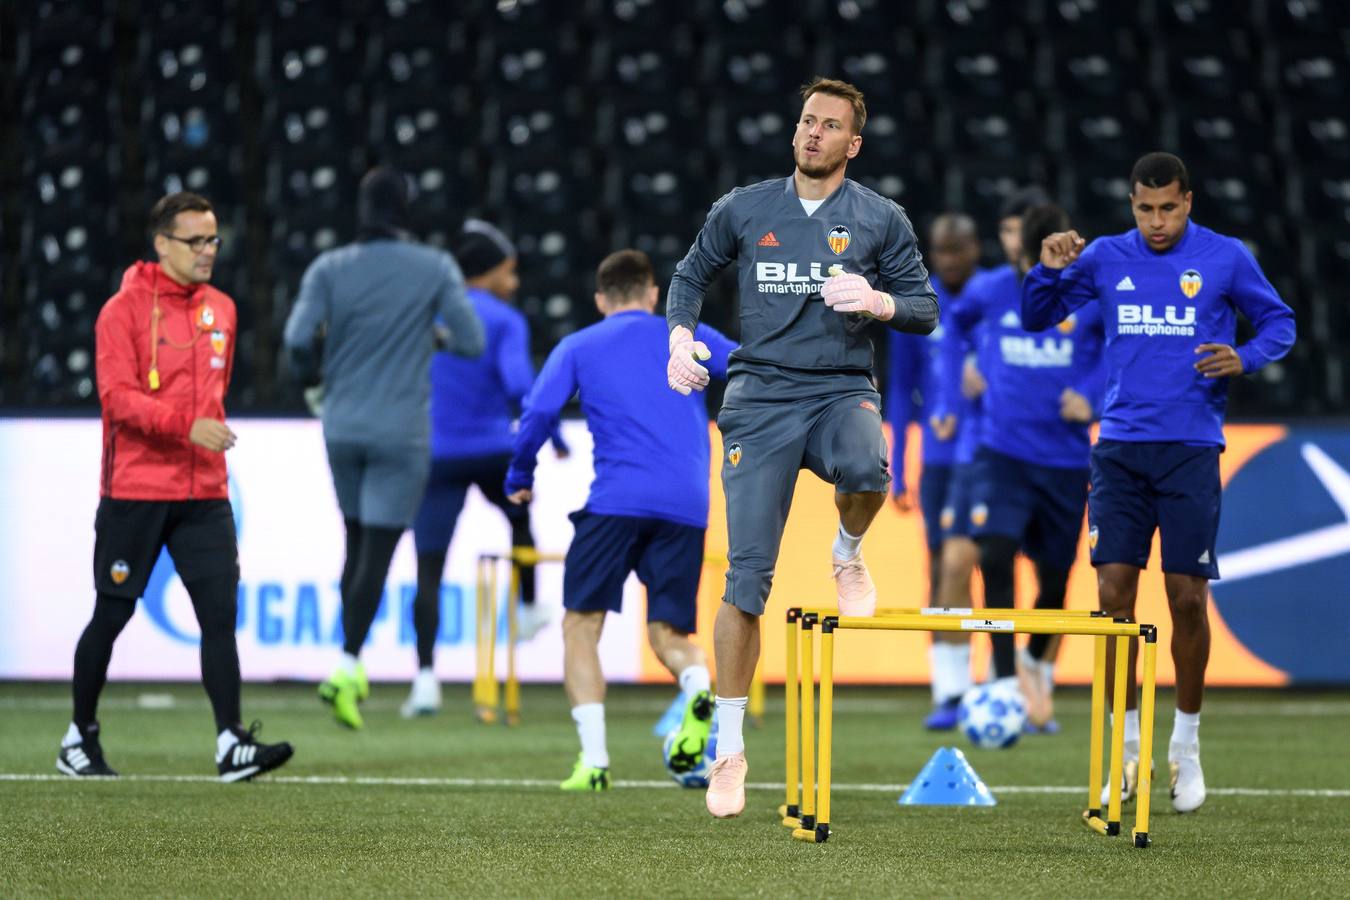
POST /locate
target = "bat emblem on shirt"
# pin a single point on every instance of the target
(1191, 282)
(838, 239)
(734, 455)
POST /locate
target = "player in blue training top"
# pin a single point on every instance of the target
(1169, 293)
(647, 511)
(809, 249)
(1029, 483)
(474, 403)
(915, 367)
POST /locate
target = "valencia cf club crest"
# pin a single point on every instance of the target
(947, 518)
(979, 514)
(206, 317)
(838, 239)
(1092, 538)
(218, 342)
(734, 455)
(1191, 282)
(120, 571)
(1068, 325)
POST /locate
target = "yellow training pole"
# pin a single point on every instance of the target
(755, 705)
(826, 730)
(511, 699)
(490, 690)
(1141, 838)
(482, 708)
(1097, 724)
(790, 812)
(807, 674)
(1118, 734)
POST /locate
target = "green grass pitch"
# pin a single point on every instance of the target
(443, 806)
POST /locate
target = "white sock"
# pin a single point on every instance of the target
(1048, 673)
(1185, 735)
(1131, 732)
(846, 546)
(224, 742)
(590, 719)
(950, 669)
(349, 664)
(730, 725)
(427, 672)
(695, 679)
(72, 737)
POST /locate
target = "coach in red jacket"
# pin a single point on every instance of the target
(164, 346)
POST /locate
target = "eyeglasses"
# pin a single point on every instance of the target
(199, 243)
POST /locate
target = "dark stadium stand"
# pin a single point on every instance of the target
(580, 127)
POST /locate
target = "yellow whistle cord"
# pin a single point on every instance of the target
(155, 316)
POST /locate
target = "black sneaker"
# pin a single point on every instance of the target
(85, 759)
(249, 757)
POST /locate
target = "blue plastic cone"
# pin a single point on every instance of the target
(672, 717)
(947, 780)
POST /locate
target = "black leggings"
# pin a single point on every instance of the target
(215, 602)
(370, 549)
(997, 555)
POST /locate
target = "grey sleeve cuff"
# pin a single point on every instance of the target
(915, 315)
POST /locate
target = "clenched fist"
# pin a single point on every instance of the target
(848, 293)
(683, 372)
(1061, 249)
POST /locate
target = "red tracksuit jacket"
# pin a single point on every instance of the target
(146, 420)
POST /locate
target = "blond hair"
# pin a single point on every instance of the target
(844, 91)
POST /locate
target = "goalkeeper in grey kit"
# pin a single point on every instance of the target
(809, 249)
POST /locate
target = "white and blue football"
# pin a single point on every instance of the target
(992, 716)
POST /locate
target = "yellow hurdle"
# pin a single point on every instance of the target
(813, 824)
(488, 694)
(1093, 816)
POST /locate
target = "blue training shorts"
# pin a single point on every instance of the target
(934, 482)
(1137, 487)
(1041, 507)
(667, 556)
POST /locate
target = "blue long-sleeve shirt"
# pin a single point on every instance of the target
(1157, 308)
(1027, 373)
(651, 443)
(475, 401)
(916, 367)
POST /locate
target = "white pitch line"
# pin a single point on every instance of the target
(863, 788)
(156, 702)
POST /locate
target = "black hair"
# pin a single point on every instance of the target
(169, 206)
(1038, 223)
(624, 273)
(1021, 200)
(1156, 170)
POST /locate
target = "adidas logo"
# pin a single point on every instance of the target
(1010, 320)
(1125, 284)
(1204, 558)
(769, 240)
(244, 753)
(77, 758)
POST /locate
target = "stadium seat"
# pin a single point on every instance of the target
(1198, 68)
(549, 188)
(1315, 69)
(756, 134)
(1319, 136)
(881, 62)
(858, 18)
(1324, 199)
(1290, 18)
(306, 50)
(989, 131)
(1097, 64)
(1104, 133)
(543, 61)
(1227, 134)
(767, 17)
(980, 66)
(644, 63)
(746, 65)
(1090, 19)
(988, 16)
(1191, 17)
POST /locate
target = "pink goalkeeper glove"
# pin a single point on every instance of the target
(683, 373)
(849, 293)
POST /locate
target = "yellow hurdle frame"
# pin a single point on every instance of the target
(487, 694)
(807, 807)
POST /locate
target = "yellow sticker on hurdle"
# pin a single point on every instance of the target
(947, 611)
(987, 625)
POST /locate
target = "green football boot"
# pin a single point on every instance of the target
(343, 691)
(586, 778)
(685, 752)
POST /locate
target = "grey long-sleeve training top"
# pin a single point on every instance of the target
(378, 301)
(783, 256)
